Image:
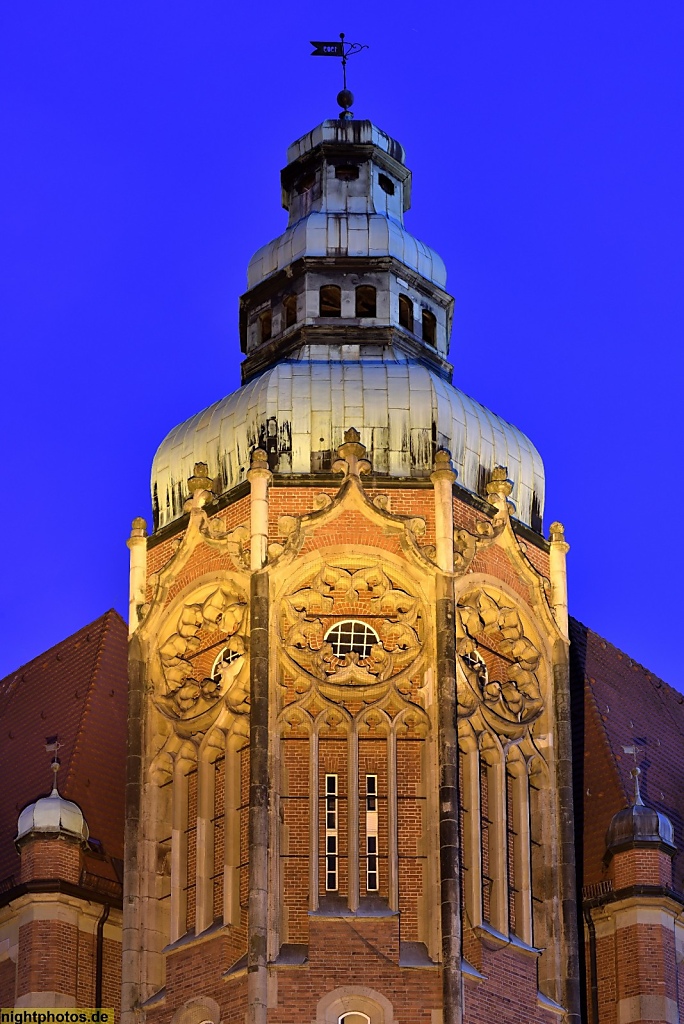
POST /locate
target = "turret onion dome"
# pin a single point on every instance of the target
(639, 825)
(346, 323)
(52, 815)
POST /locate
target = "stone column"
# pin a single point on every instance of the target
(137, 545)
(569, 994)
(559, 576)
(443, 480)
(259, 478)
(449, 853)
(133, 889)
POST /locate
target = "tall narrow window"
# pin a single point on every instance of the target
(484, 841)
(429, 327)
(265, 324)
(511, 839)
(191, 846)
(372, 833)
(331, 851)
(366, 302)
(461, 827)
(405, 312)
(290, 308)
(330, 300)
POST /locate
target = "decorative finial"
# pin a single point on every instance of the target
(138, 527)
(352, 460)
(200, 480)
(52, 745)
(259, 459)
(556, 532)
(499, 488)
(635, 772)
(443, 463)
(344, 50)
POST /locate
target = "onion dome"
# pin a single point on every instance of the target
(52, 815)
(639, 825)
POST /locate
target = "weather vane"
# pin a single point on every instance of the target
(634, 749)
(344, 51)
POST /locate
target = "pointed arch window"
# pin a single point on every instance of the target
(330, 300)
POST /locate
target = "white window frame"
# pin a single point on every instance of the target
(372, 865)
(331, 811)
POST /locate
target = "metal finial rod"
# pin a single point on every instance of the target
(635, 773)
(344, 63)
(52, 745)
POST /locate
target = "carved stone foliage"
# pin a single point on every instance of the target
(498, 664)
(202, 663)
(389, 619)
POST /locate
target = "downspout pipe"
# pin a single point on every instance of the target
(591, 927)
(99, 949)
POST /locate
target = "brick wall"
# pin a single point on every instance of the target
(48, 958)
(641, 867)
(8, 982)
(51, 858)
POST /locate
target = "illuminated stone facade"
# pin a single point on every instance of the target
(350, 794)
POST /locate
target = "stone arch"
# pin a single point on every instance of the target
(354, 999)
(200, 1010)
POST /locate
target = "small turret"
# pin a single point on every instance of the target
(42, 822)
(639, 825)
(640, 844)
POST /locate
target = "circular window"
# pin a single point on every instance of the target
(351, 636)
(225, 657)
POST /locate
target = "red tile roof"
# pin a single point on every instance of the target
(77, 690)
(623, 704)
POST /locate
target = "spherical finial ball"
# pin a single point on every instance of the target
(345, 99)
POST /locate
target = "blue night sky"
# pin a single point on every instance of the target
(142, 149)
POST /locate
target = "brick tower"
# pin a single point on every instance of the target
(632, 921)
(51, 837)
(349, 785)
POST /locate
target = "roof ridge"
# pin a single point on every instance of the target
(625, 654)
(104, 635)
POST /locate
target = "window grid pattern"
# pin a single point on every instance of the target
(484, 841)
(191, 840)
(352, 636)
(219, 833)
(331, 833)
(226, 655)
(461, 829)
(511, 840)
(372, 884)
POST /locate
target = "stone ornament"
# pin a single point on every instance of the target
(308, 613)
(187, 687)
(498, 663)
